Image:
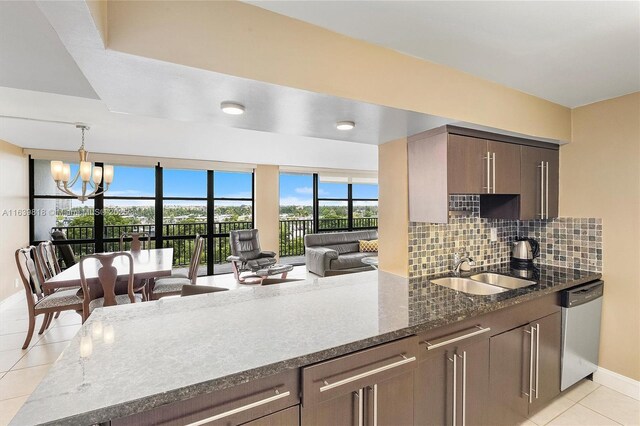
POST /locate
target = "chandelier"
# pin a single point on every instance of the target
(61, 173)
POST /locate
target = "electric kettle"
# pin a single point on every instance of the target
(524, 251)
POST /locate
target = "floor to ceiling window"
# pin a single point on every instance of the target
(233, 210)
(296, 214)
(129, 206)
(55, 211)
(364, 199)
(333, 205)
(171, 205)
(184, 214)
(312, 203)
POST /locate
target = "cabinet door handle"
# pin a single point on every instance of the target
(329, 386)
(464, 387)
(546, 191)
(455, 391)
(360, 397)
(228, 413)
(439, 343)
(375, 405)
(541, 167)
(537, 356)
(493, 160)
(531, 360)
(488, 161)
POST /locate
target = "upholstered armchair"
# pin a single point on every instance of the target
(246, 254)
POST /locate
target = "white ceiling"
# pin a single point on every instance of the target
(32, 57)
(61, 72)
(113, 133)
(569, 52)
(146, 87)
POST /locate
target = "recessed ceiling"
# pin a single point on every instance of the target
(147, 87)
(572, 53)
(32, 57)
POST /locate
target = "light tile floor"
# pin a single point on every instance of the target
(587, 403)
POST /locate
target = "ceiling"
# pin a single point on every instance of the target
(54, 69)
(32, 57)
(569, 52)
(146, 87)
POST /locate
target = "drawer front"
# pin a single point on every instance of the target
(330, 379)
(232, 406)
(437, 342)
(498, 322)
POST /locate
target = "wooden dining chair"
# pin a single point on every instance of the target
(105, 294)
(48, 264)
(48, 260)
(139, 240)
(39, 303)
(172, 285)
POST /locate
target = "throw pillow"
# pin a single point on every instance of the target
(368, 246)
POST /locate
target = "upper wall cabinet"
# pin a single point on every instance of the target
(539, 181)
(480, 166)
(517, 178)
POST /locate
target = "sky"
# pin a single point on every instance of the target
(294, 189)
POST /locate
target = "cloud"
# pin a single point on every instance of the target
(295, 201)
(307, 190)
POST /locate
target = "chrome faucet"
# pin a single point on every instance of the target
(459, 260)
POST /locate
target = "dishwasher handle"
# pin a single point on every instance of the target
(582, 294)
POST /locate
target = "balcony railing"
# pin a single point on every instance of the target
(180, 236)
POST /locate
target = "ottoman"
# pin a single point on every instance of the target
(277, 269)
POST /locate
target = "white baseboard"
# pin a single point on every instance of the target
(617, 382)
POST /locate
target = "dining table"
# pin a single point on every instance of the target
(147, 264)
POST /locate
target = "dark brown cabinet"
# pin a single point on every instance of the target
(539, 176)
(452, 381)
(370, 387)
(268, 401)
(287, 417)
(479, 166)
(505, 167)
(467, 165)
(516, 178)
(524, 370)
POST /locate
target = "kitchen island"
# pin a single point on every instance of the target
(137, 358)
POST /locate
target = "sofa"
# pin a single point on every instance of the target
(338, 252)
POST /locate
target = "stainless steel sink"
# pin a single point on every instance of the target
(466, 285)
(504, 281)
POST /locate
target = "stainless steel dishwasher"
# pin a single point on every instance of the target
(581, 311)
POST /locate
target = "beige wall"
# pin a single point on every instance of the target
(244, 40)
(267, 205)
(393, 207)
(600, 177)
(14, 230)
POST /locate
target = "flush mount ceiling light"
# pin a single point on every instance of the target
(345, 125)
(232, 108)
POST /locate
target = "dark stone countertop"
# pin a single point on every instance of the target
(174, 349)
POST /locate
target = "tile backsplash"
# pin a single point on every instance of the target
(566, 242)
